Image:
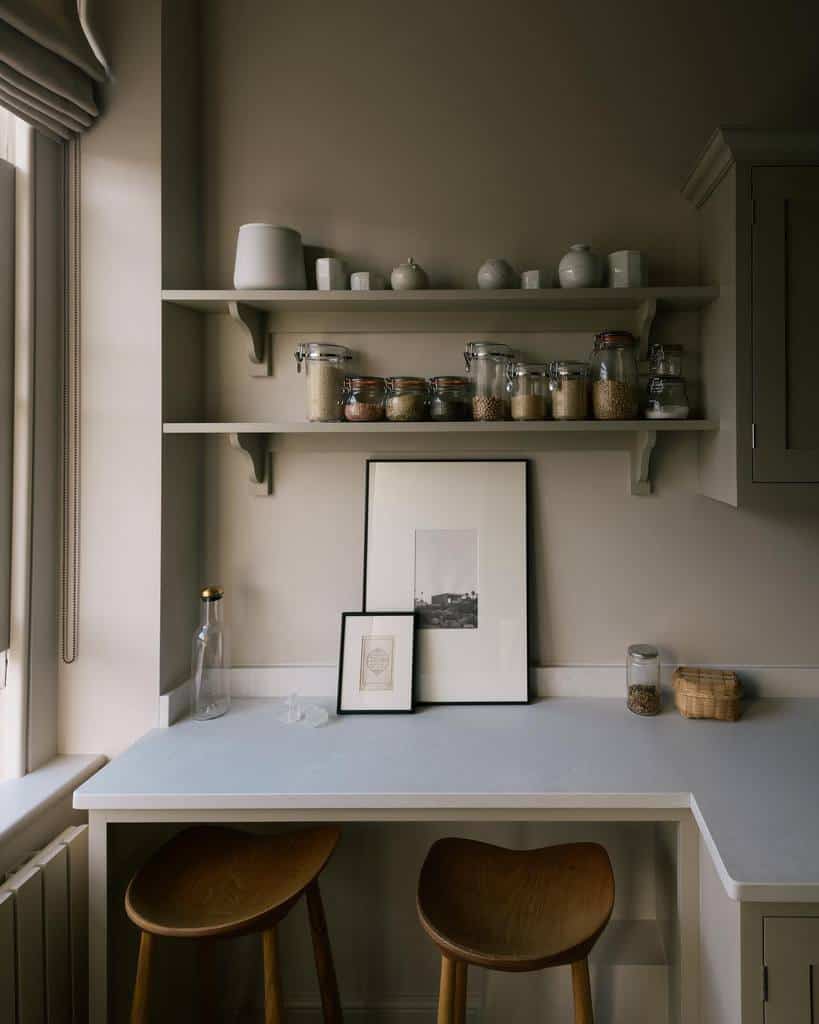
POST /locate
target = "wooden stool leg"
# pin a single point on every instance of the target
(581, 987)
(459, 1014)
(446, 993)
(139, 1004)
(272, 978)
(330, 1002)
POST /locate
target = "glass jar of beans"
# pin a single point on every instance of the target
(406, 399)
(529, 391)
(487, 363)
(569, 385)
(364, 399)
(615, 377)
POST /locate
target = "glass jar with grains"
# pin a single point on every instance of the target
(667, 399)
(529, 391)
(615, 377)
(324, 369)
(487, 363)
(643, 679)
(364, 399)
(569, 385)
(406, 399)
(449, 399)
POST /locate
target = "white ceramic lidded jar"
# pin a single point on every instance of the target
(496, 273)
(407, 277)
(580, 268)
(269, 256)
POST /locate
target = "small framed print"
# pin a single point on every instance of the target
(376, 663)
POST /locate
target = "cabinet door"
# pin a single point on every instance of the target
(792, 962)
(785, 324)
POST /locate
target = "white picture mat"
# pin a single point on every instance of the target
(356, 627)
(489, 663)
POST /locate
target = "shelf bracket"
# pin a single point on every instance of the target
(646, 312)
(254, 446)
(641, 448)
(260, 347)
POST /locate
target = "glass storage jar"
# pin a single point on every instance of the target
(364, 399)
(643, 679)
(667, 399)
(449, 399)
(615, 378)
(324, 368)
(487, 363)
(406, 399)
(529, 391)
(665, 361)
(569, 385)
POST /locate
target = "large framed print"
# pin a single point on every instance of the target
(447, 539)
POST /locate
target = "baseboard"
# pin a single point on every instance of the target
(768, 681)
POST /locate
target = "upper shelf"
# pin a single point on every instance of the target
(447, 300)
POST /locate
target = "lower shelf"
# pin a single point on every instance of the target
(253, 439)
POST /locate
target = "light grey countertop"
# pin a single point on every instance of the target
(752, 786)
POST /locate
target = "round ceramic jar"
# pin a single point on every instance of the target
(364, 399)
(580, 268)
(408, 277)
(496, 273)
(406, 399)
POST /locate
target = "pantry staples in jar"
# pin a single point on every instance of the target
(364, 399)
(529, 391)
(643, 679)
(569, 385)
(615, 378)
(324, 368)
(665, 360)
(449, 399)
(487, 363)
(406, 399)
(667, 393)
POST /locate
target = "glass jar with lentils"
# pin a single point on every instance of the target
(487, 363)
(364, 399)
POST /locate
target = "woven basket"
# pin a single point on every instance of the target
(707, 693)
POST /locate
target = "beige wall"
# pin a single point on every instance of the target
(454, 132)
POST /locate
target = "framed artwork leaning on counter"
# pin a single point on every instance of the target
(447, 538)
(376, 663)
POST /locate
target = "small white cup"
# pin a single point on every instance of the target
(627, 269)
(366, 281)
(331, 274)
(533, 279)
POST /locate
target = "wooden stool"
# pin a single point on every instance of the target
(213, 883)
(514, 910)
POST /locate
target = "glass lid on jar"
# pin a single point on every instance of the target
(528, 370)
(568, 368)
(666, 360)
(321, 350)
(486, 350)
(357, 383)
(614, 339)
(643, 652)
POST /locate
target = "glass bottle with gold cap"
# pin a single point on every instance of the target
(211, 682)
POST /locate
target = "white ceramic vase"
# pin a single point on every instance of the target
(408, 277)
(496, 273)
(269, 256)
(580, 268)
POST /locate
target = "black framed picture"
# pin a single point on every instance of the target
(376, 663)
(448, 539)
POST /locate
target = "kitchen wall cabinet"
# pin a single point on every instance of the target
(791, 988)
(758, 198)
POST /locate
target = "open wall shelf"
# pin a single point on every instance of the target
(254, 438)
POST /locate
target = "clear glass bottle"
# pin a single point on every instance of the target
(643, 679)
(569, 385)
(487, 363)
(449, 399)
(324, 368)
(615, 377)
(667, 399)
(406, 399)
(211, 681)
(529, 391)
(364, 399)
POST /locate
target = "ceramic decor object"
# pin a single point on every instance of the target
(627, 269)
(269, 257)
(496, 273)
(366, 281)
(533, 279)
(580, 268)
(408, 277)
(331, 274)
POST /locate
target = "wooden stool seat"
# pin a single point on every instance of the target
(514, 910)
(209, 882)
(216, 883)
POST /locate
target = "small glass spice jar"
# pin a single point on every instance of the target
(324, 368)
(667, 399)
(529, 391)
(643, 679)
(487, 363)
(364, 399)
(665, 361)
(569, 386)
(449, 399)
(406, 399)
(615, 377)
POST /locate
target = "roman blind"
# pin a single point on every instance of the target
(49, 64)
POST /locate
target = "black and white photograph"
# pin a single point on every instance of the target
(446, 579)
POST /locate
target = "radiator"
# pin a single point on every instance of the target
(44, 935)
